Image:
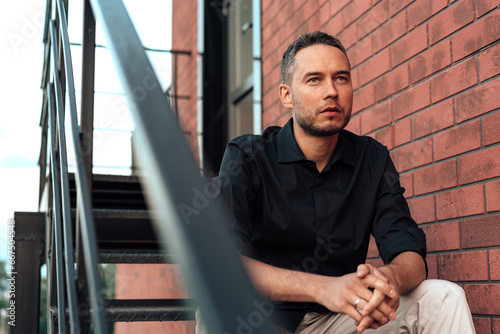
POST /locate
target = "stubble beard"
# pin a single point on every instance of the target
(306, 122)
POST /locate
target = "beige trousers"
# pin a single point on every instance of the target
(433, 307)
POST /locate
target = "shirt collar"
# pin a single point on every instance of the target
(345, 149)
(289, 150)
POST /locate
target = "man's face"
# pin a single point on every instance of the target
(320, 90)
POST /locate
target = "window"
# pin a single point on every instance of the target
(240, 68)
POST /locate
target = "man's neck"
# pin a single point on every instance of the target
(316, 148)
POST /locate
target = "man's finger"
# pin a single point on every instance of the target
(378, 304)
(376, 315)
(377, 283)
(378, 308)
(354, 313)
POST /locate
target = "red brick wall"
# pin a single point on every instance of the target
(142, 281)
(150, 281)
(185, 38)
(426, 75)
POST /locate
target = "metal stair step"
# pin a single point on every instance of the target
(124, 227)
(118, 228)
(127, 310)
(135, 256)
(133, 310)
(113, 192)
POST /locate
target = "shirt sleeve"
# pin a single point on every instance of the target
(236, 179)
(394, 230)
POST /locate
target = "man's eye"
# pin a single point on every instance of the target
(314, 80)
(342, 79)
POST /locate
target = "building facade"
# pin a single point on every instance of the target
(426, 78)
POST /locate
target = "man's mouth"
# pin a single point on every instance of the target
(331, 111)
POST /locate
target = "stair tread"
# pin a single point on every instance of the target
(121, 213)
(130, 310)
(125, 310)
(124, 228)
(110, 178)
(113, 191)
(135, 256)
(100, 213)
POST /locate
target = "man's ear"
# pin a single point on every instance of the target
(286, 96)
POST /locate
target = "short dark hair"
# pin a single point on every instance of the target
(305, 40)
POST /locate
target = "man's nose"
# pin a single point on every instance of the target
(330, 90)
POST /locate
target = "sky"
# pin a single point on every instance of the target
(21, 30)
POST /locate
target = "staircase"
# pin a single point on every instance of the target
(125, 234)
(120, 212)
(86, 219)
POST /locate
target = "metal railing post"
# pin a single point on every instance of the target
(56, 220)
(87, 137)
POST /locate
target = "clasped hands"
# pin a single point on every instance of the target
(372, 290)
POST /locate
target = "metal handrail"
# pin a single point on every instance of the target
(172, 181)
(58, 222)
(56, 213)
(59, 169)
(85, 207)
(179, 52)
(57, 131)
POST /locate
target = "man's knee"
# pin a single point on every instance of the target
(442, 290)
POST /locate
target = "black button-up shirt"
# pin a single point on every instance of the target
(286, 213)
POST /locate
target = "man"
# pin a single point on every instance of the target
(303, 201)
